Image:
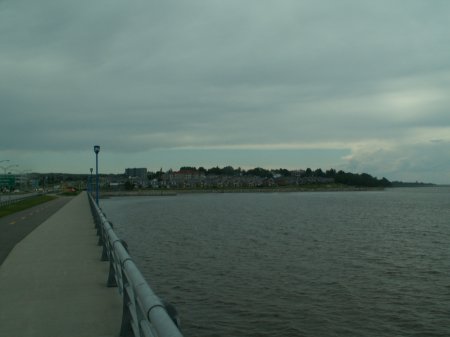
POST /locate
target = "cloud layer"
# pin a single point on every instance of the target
(367, 80)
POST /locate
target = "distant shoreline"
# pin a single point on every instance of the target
(173, 192)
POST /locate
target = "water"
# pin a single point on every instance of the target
(296, 264)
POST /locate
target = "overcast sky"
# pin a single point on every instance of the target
(362, 86)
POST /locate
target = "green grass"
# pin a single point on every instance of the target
(24, 204)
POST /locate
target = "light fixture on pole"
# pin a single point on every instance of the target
(6, 168)
(96, 150)
(90, 182)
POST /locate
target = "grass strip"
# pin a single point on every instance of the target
(24, 204)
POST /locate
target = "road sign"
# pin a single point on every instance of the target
(7, 180)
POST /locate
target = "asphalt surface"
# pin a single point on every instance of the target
(53, 283)
(15, 227)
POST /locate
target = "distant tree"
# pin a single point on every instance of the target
(228, 171)
(308, 172)
(259, 172)
(385, 182)
(331, 173)
(283, 172)
(319, 173)
(129, 186)
(215, 171)
(188, 168)
(155, 175)
(363, 179)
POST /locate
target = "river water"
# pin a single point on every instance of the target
(296, 264)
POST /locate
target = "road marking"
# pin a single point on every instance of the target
(12, 223)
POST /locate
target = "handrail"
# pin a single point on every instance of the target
(144, 314)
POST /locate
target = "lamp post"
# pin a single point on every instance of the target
(90, 182)
(6, 168)
(96, 150)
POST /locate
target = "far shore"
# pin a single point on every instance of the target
(173, 192)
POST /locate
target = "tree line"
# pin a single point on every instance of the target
(340, 177)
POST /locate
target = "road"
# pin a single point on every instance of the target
(14, 227)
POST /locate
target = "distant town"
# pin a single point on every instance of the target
(195, 178)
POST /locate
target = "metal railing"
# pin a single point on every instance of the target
(144, 314)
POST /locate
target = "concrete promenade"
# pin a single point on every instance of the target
(53, 283)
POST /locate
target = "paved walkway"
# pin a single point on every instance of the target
(15, 227)
(53, 283)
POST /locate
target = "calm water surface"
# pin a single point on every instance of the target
(296, 264)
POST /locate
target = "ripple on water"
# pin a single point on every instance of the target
(295, 264)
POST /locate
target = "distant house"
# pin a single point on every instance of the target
(183, 179)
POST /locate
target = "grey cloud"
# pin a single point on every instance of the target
(165, 74)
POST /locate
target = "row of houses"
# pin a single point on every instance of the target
(198, 179)
(195, 179)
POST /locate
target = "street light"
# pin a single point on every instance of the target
(5, 168)
(96, 150)
(90, 182)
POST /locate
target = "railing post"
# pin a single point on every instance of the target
(105, 256)
(111, 282)
(126, 329)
